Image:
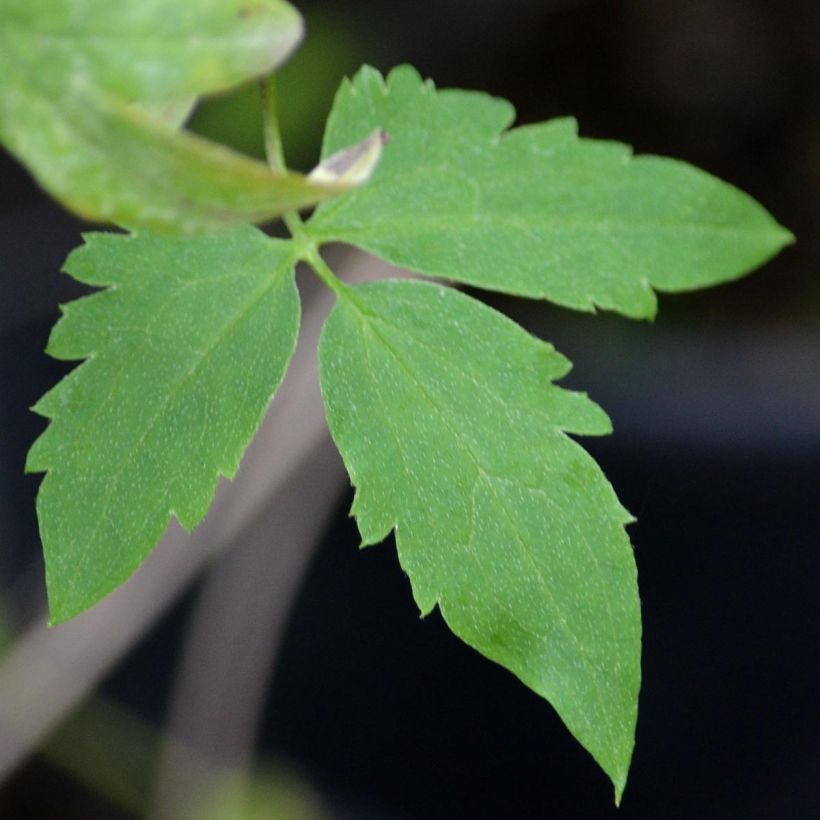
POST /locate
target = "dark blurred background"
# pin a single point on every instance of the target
(716, 408)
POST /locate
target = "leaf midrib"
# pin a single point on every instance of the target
(526, 550)
(446, 224)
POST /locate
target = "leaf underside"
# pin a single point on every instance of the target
(185, 349)
(535, 211)
(454, 436)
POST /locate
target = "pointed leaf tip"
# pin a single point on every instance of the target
(516, 535)
(535, 211)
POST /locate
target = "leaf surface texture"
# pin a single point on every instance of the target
(184, 350)
(534, 211)
(455, 437)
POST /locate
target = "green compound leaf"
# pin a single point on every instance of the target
(535, 211)
(455, 437)
(92, 92)
(184, 351)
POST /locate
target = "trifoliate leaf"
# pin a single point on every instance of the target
(184, 350)
(91, 94)
(455, 437)
(535, 211)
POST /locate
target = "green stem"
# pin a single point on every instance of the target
(293, 222)
(276, 159)
(273, 138)
(273, 145)
(323, 271)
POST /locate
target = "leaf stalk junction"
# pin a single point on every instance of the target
(275, 154)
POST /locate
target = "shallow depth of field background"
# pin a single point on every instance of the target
(373, 713)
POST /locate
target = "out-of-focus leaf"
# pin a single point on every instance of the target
(92, 92)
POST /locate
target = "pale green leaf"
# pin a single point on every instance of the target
(92, 92)
(116, 163)
(184, 350)
(147, 50)
(535, 211)
(455, 437)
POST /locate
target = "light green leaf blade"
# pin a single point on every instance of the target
(159, 55)
(535, 211)
(184, 350)
(455, 437)
(116, 163)
(92, 93)
(146, 50)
